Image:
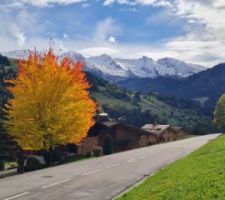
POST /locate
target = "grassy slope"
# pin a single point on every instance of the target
(176, 116)
(201, 175)
(122, 102)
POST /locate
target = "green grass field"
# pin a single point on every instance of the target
(199, 176)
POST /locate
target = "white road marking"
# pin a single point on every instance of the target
(19, 195)
(131, 160)
(91, 172)
(56, 183)
(112, 165)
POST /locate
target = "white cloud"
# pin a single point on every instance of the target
(85, 5)
(203, 41)
(105, 29)
(155, 3)
(128, 9)
(201, 55)
(65, 36)
(99, 50)
(41, 3)
(112, 39)
(18, 35)
(129, 51)
(220, 4)
(17, 27)
(110, 2)
(163, 3)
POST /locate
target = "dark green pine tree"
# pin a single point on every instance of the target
(4, 60)
(8, 148)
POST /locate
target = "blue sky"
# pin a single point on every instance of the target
(191, 30)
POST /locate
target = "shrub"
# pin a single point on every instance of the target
(88, 154)
(57, 156)
(12, 165)
(2, 165)
(32, 164)
(53, 157)
(97, 151)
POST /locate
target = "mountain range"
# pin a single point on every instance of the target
(115, 69)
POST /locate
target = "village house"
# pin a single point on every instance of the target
(114, 137)
(181, 132)
(165, 132)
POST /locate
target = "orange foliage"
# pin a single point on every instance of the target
(51, 104)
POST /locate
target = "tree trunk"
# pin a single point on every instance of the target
(50, 150)
(21, 162)
(50, 156)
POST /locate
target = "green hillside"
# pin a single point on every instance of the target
(139, 109)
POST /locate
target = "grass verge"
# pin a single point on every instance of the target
(199, 176)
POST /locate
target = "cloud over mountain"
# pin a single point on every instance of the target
(192, 30)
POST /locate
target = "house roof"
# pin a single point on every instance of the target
(155, 129)
(110, 124)
(103, 114)
(177, 128)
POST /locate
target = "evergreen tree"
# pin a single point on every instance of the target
(4, 61)
(8, 148)
(219, 113)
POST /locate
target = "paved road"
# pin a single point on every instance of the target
(97, 179)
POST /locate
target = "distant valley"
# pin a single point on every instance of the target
(204, 87)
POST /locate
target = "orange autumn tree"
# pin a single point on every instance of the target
(50, 104)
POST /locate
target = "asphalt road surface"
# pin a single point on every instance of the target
(97, 179)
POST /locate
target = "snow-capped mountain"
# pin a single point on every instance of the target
(173, 67)
(73, 56)
(108, 66)
(17, 54)
(88, 66)
(119, 68)
(143, 67)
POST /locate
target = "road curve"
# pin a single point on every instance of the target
(97, 179)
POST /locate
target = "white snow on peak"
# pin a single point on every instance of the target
(173, 67)
(73, 56)
(17, 54)
(142, 67)
(108, 65)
